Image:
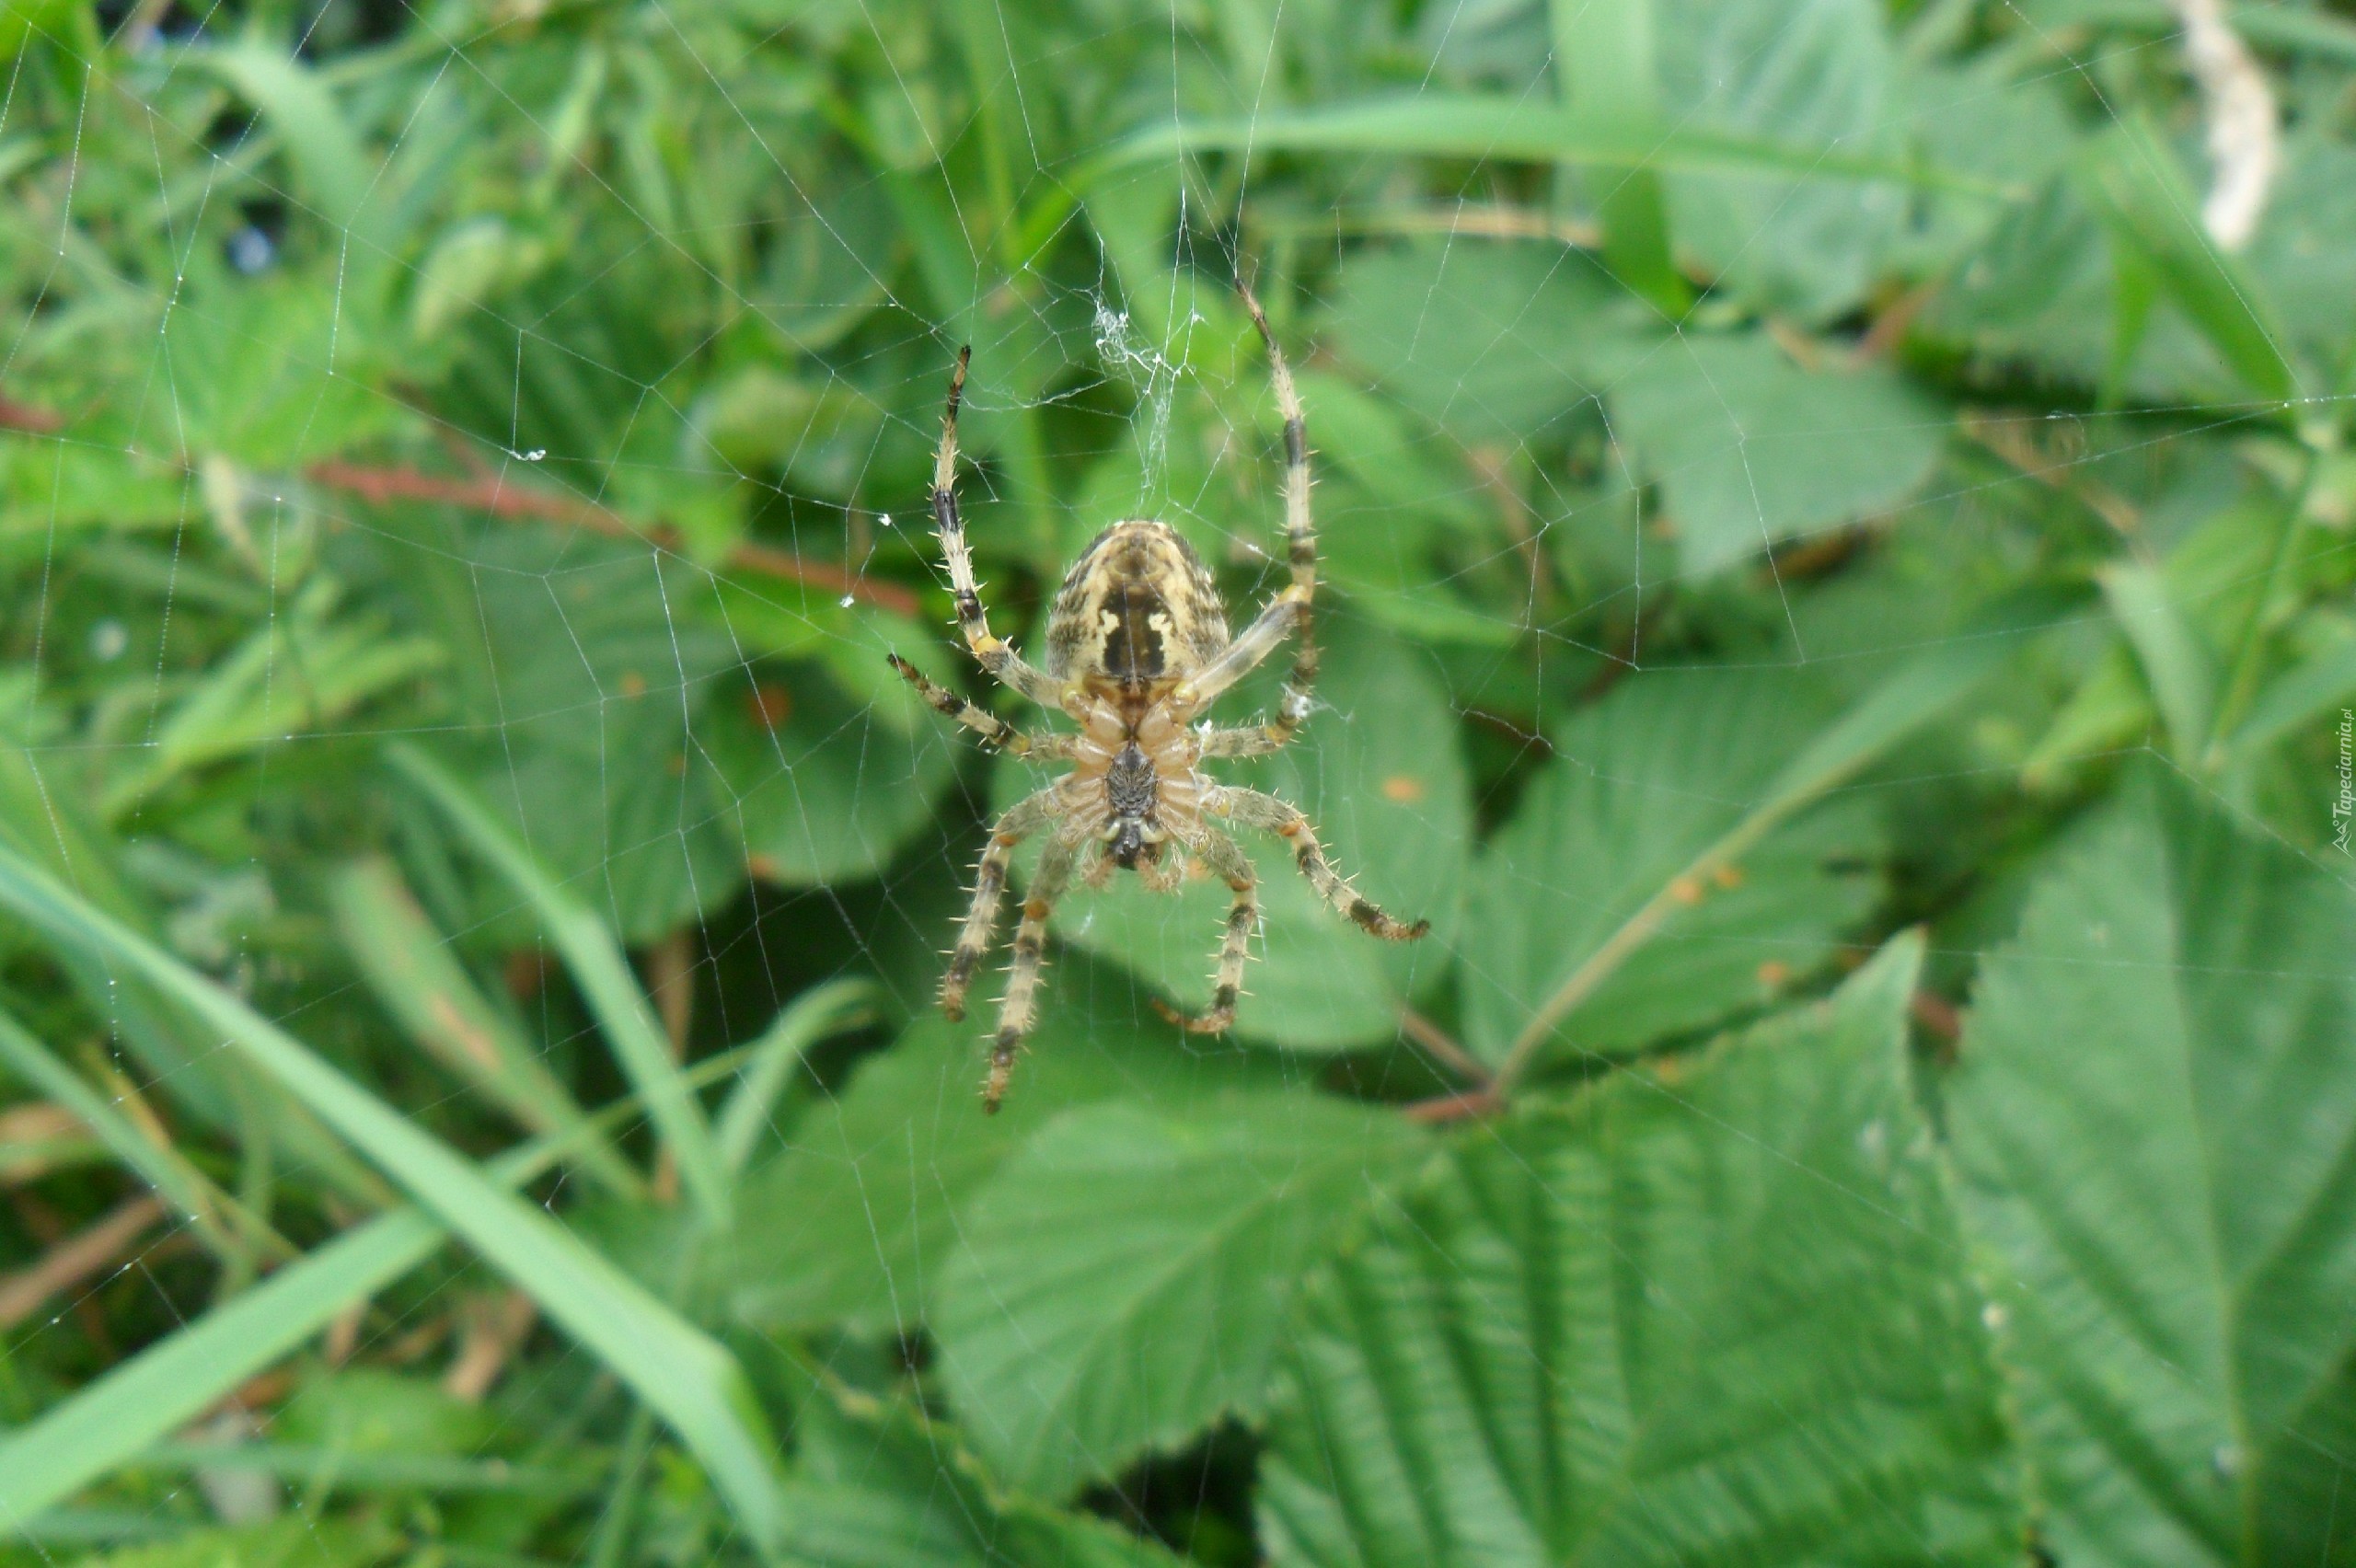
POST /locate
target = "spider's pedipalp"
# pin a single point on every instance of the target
(1254, 808)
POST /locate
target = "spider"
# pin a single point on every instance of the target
(1137, 649)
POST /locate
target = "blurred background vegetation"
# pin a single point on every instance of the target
(1839, 535)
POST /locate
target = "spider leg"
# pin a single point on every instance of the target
(993, 729)
(1289, 610)
(1243, 740)
(1003, 662)
(1025, 818)
(1255, 808)
(1020, 1010)
(1224, 856)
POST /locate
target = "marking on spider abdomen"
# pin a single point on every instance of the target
(1138, 606)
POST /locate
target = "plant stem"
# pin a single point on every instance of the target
(2241, 685)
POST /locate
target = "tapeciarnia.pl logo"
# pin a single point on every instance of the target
(2344, 810)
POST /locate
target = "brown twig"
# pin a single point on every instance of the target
(24, 415)
(76, 1258)
(1938, 1016)
(1465, 1107)
(2011, 441)
(1492, 467)
(1472, 219)
(671, 982)
(1890, 325)
(1441, 1046)
(490, 1329)
(499, 497)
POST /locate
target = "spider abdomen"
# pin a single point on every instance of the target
(1137, 608)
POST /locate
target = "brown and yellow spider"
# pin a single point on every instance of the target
(1138, 648)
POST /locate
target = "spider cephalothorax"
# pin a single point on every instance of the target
(1137, 649)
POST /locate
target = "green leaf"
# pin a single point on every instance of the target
(53, 485)
(1648, 880)
(301, 671)
(1451, 125)
(878, 1486)
(685, 1375)
(419, 978)
(2181, 668)
(2156, 1121)
(856, 1221)
(1380, 777)
(1642, 784)
(597, 967)
(1750, 450)
(1124, 1277)
(583, 676)
(822, 789)
(1801, 73)
(269, 375)
(1702, 1318)
(1494, 342)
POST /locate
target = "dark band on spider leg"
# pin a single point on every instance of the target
(1241, 919)
(993, 729)
(1004, 1047)
(1365, 915)
(973, 939)
(940, 697)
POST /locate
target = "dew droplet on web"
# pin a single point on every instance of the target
(846, 601)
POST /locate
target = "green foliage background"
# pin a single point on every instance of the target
(1839, 614)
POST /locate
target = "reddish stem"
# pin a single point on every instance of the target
(496, 496)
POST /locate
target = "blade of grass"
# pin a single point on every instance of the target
(689, 1379)
(176, 1180)
(139, 1402)
(1604, 51)
(597, 967)
(331, 173)
(412, 971)
(816, 1014)
(1475, 126)
(2301, 694)
(2135, 183)
(364, 1472)
(1918, 693)
(2240, 684)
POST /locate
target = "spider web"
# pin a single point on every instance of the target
(600, 488)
